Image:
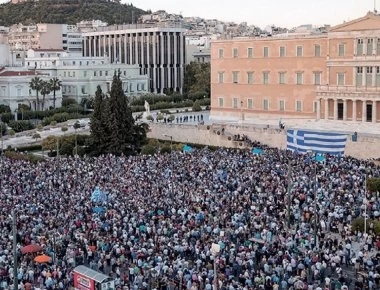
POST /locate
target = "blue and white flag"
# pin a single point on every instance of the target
(317, 142)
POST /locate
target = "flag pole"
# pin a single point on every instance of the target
(365, 203)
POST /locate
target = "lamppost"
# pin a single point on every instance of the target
(1, 135)
(241, 111)
(171, 162)
(289, 189)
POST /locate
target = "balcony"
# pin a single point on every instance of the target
(348, 91)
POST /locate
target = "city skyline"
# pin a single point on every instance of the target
(298, 12)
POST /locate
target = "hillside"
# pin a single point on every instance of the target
(67, 11)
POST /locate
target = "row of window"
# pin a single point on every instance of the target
(265, 104)
(282, 51)
(86, 74)
(369, 49)
(299, 77)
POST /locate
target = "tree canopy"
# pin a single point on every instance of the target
(113, 128)
(197, 78)
(67, 12)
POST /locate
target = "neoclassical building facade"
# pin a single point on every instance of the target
(333, 75)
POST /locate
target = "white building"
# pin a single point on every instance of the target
(80, 76)
(159, 51)
(15, 89)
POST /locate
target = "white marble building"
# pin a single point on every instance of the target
(15, 89)
(80, 76)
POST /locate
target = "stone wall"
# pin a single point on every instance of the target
(367, 146)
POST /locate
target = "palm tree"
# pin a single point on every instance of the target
(36, 84)
(55, 85)
(45, 90)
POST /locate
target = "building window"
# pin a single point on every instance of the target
(299, 106)
(250, 52)
(281, 106)
(340, 79)
(378, 47)
(378, 76)
(64, 74)
(266, 105)
(265, 78)
(369, 46)
(317, 50)
(299, 51)
(317, 78)
(235, 77)
(266, 51)
(299, 77)
(73, 74)
(250, 78)
(250, 104)
(106, 73)
(83, 90)
(342, 49)
(221, 102)
(85, 73)
(221, 77)
(359, 47)
(221, 52)
(359, 76)
(281, 77)
(235, 103)
(100, 73)
(235, 52)
(282, 51)
(369, 76)
(315, 106)
(95, 73)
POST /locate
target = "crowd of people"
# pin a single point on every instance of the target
(280, 220)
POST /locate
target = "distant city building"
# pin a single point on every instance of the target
(334, 75)
(80, 76)
(159, 51)
(87, 26)
(15, 89)
(45, 36)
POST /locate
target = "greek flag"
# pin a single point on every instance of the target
(317, 142)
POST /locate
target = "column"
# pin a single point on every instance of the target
(175, 83)
(162, 69)
(142, 51)
(130, 48)
(109, 47)
(374, 75)
(365, 46)
(125, 49)
(104, 45)
(364, 78)
(180, 81)
(154, 38)
(354, 110)
(120, 52)
(335, 109)
(374, 111)
(136, 47)
(89, 46)
(318, 109)
(114, 49)
(344, 110)
(364, 111)
(326, 108)
(169, 66)
(94, 44)
(85, 46)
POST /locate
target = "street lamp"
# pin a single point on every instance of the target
(171, 161)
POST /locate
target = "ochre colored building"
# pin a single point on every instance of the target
(333, 75)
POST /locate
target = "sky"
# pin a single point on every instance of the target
(284, 13)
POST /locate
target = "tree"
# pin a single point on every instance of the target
(45, 90)
(197, 106)
(36, 136)
(55, 85)
(197, 78)
(98, 125)
(36, 84)
(49, 143)
(120, 120)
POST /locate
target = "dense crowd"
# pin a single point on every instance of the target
(164, 212)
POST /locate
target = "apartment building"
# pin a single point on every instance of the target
(333, 75)
(159, 51)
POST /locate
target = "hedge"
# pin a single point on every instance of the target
(20, 156)
(20, 126)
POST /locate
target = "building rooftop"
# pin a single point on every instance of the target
(17, 73)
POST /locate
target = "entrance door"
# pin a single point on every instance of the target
(369, 112)
(340, 111)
